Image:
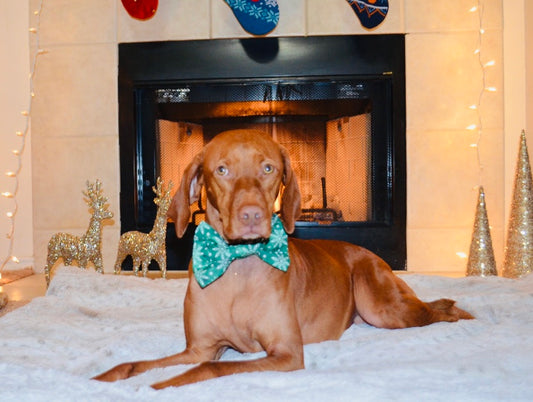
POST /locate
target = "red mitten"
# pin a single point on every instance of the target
(141, 9)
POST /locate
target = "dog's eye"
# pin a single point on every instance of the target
(222, 170)
(268, 168)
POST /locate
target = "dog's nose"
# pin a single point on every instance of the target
(250, 215)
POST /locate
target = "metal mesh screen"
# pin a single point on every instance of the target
(332, 160)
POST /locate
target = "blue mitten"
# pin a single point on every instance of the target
(257, 17)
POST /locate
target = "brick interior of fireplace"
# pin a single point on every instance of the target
(330, 153)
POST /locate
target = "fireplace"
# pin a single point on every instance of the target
(336, 103)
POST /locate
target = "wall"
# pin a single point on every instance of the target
(14, 98)
(528, 45)
(75, 127)
(443, 79)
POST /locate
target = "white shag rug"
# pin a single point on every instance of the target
(87, 323)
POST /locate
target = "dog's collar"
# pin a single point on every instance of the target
(211, 255)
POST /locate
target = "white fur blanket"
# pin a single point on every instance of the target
(87, 323)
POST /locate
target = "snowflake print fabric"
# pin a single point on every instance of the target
(211, 255)
(257, 17)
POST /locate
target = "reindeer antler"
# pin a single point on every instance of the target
(94, 193)
(160, 193)
(95, 198)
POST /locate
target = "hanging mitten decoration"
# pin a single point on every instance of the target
(257, 17)
(371, 13)
(141, 9)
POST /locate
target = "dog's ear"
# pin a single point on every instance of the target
(187, 194)
(290, 197)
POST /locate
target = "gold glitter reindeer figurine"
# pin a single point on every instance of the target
(145, 247)
(86, 248)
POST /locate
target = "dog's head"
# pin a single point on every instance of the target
(243, 171)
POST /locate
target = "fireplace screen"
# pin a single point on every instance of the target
(329, 140)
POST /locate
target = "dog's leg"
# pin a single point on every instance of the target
(127, 370)
(384, 300)
(275, 362)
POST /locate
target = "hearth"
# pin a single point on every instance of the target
(336, 103)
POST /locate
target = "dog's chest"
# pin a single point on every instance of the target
(237, 307)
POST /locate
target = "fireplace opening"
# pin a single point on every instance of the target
(344, 128)
(325, 126)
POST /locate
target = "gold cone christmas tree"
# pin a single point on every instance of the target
(518, 259)
(481, 257)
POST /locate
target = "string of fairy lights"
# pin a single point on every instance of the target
(484, 65)
(14, 174)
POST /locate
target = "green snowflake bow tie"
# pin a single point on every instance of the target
(211, 255)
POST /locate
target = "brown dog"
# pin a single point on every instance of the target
(254, 307)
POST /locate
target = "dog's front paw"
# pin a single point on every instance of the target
(120, 372)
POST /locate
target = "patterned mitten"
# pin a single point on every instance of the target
(371, 13)
(257, 17)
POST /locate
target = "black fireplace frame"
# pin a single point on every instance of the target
(148, 65)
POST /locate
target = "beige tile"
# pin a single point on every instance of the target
(291, 21)
(492, 177)
(61, 167)
(224, 24)
(292, 18)
(439, 250)
(450, 15)
(173, 20)
(75, 22)
(76, 91)
(444, 78)
(337, 17)
(436, 250)
(442, 175)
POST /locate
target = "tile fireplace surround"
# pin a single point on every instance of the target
(75, 112)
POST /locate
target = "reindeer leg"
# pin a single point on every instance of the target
(162, 261)
(82, 262)
(145, 263)
(136, 264)
(50, 261)
(119, 261)
(98, 264)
